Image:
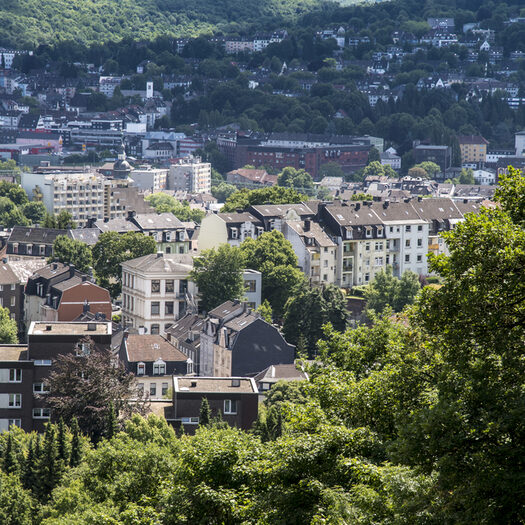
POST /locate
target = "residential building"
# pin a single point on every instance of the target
(473, 149)
(252, 288)
(59, 292)
(316, 252)
(267, 378)
(236, 342)
(191, 175)
(251, 178)
(185, 335)
(156, 291)
(153, 360)
(235, 399)
(231, 228)
(519, 143)
(27, 242)
(485, 177)
(148, 178)
(389, 158)
(441, 155)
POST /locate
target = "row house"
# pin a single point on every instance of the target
(156, 291)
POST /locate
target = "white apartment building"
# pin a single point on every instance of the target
(191, 175)
(155, 291)
(81, 194)
(148, 178)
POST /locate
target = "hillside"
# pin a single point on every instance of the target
(30, 22)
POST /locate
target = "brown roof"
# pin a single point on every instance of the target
(214, 384)
(150, 348)
(472, 139)
(13, 353)
(68, 328)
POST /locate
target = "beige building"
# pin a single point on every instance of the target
(230, 228)
(473, 149)
(191, 175)
(156, 291)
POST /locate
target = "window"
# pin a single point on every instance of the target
(164, 389)
(141, 369)
(367, 277)
(155, 308)
(155, 286)
(41, 413)
(170, 286)
(40, 388)
(152, 389)
(408, 228)
(391, 229)
(190, 420)
(168, 307)
(15, 375)
(379, 246)
(378, 261)
(420, 228)
(367, 246)
(265, 386)
(230, 406)
(407, 243)
(419, 258)
(42, 362)
(368, 231)
(380, 231)
(155, 329)
(14, 423)
(159, 368)
(251, 286)
(83, 349)
(407, 257)
(13, 287)
(234, 233)
(15, 400)
(419, 243)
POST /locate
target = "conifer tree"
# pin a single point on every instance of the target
(112, 422)
(29, 476)
(48, 466)
(205, 413)
(62, 440)
(76, 449)
(10, 461)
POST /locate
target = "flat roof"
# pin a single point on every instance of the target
(214, 385)
(13, 353)
(70, 328)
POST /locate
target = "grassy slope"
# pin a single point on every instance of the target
(27, 22)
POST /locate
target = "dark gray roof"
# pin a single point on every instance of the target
(238, 218)
(87, 235)
(117, 225)
(22, 234)
(157, 221)
(225, 309)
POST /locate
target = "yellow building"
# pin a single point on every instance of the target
(473, 149)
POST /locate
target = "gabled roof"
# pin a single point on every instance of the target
(239, 218)
(22, 234)
(472, 139)
(157, 221)
(117, 225)
(275, 373)
(168, 263)
(280, 210)
(149, 348)
(87, 235)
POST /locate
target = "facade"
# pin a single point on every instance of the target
(27, 242)
(315, 250)
(150, 179)
(251, 178)
(234, 398)
(153, 360)
(441, 155)
(473, 149)
(267, 378)
(58, 292)
(253, 288)
(236, 342)
(519, 143)
(191, 175)
(156, 291)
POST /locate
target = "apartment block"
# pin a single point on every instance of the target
(191, 175)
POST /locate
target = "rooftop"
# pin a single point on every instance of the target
(70, 328)
(210, 385)
(150, 348)
(13, 353)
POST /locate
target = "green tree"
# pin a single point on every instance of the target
(297, 179)
(374, 155)
(164, 203)
(112, 424)
(266, 311)
(223, 191)
(309, 310)
(76, 444)
(218, 276)
(241, 199)
(49, 470)
(273, 256)
(35, 211)
(466, 177)
(65, 221)
(471, 434)
(205, 413)
(389, 291)
(8, 328)
(431, 168)
(71, 251)
(331, 169)
(15, 502)
(111, 250)
(10, 464)
(11, 215)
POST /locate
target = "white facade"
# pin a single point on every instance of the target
(190, 175)
(155, 290)
(152, 179)
(253, 287)
(519, 143)
(484, 177)
(81, 194)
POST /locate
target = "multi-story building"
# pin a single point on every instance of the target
(25, 242)
(473, 149)
(441, 155)
(191, 175)
(81, 194)
(315, 250)
(519, 143)
(156, 291)
(148, 178)
(58, 292)
(252, 288)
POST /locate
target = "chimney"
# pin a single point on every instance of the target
(159, 255)
(71, 270)
(85, 307)
(131, 214)
(357, 206)
(307, 225)
(419, 199)
(386, 204)
(91, 222)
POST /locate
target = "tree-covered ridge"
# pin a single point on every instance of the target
(30, 22)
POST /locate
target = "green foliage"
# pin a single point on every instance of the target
(265, 310)
(223, 191)
(387, 291)
(111, 250)
(35, 212)
(241, 199)
(11, 215)
(205, 413)
(331, 169)
(71, 251)
(466, 177)
(309, 310)
(163, 203)
(15, 502)
(273, 256)
(297, 179)
(218, 276)
(8, 328)
(374, 155)
(376, 169)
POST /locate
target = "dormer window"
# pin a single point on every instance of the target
(159, 368)
(234, 233)
(380, 231)
(141, 369)
(369, 231)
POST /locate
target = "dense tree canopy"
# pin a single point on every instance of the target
(71, 251)
(241, 199)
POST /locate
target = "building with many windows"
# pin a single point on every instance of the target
(191, 175)
(156, 291)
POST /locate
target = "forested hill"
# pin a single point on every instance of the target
(29, 22)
